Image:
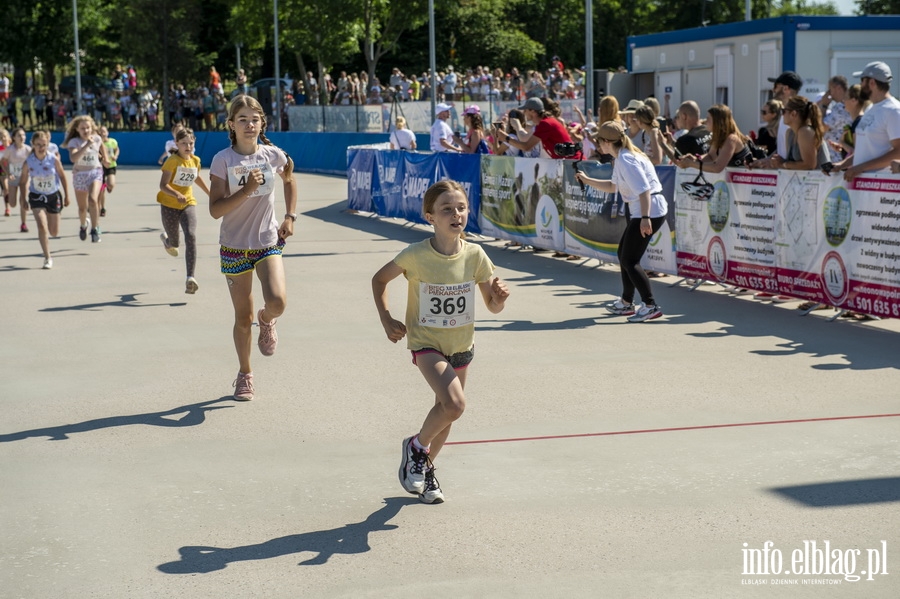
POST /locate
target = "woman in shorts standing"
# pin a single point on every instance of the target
(242, 194)
(88, 156)
(44, 175)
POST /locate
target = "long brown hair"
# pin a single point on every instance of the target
(72, 129)
(723, 125)
(608, 110)
(809, 113)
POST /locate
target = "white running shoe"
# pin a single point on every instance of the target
(646, 313)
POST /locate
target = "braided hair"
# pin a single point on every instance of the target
(246, 101)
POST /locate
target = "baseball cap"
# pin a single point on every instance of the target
(473, 109)
(442, 107)
(790, 79)
(877, 70)
(533, 104)
(611, 131)
(632, 106)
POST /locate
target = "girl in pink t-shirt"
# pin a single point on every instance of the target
(242, 194)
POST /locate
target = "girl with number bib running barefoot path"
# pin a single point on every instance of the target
(242, 194)
(442, 273)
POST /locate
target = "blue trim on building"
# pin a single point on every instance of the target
(788, 26)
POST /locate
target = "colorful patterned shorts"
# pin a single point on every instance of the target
(237, 262)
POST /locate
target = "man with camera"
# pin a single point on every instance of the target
(548, 131)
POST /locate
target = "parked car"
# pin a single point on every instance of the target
(67, 84)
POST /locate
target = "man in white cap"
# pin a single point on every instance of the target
(441, 133)
(878, 133)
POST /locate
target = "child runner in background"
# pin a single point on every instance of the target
(88, 156)
(44, 174)
(5, 142)
(242, 194)
(442, 273)
(170, 144)
(13, 158)
(179, 173)
(109, 173)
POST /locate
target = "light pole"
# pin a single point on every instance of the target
(432, 58)
(278, 93)
(589, 55)
(77, 59)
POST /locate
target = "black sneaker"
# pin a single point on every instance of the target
(82, 233)
(103, 212)
(95, 235)
(432, 492)
(412, 467)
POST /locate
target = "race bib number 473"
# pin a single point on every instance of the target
(446, 306)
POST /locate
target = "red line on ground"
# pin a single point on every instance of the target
(673, 429)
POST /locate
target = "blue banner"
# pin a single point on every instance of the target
(360, 168)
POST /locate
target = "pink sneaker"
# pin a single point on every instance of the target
(243, 386)
(268, 338)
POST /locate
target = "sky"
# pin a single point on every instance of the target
(846, 7)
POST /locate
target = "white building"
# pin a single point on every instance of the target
(731, 63)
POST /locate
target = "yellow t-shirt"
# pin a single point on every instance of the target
(183, 173)
(441, 295)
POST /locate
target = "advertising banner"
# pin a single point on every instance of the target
(523, 200)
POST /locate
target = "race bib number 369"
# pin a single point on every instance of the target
(446, 306)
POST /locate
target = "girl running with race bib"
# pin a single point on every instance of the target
(176, 197)
(13, 160)
(242, 194)
(44, 175)
(443, 273)
(88, 156)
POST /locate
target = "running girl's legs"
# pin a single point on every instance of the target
(271, 275)
(93, 204)
(171, 217)
(42, 218)
(241, 289)
(81, 198)
(17, 194)
(449, 399)
(109, 182)
(188, 222)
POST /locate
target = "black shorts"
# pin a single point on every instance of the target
(109, 171)
(52, 203)
(457, 361)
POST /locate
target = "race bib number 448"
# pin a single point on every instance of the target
(446, 306)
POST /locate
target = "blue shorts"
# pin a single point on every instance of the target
(237, 262)
(458, 360)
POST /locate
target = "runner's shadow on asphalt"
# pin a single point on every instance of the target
(858, 347)
(193, 415)
(350, 539)
(845, 492)
(128, 300)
